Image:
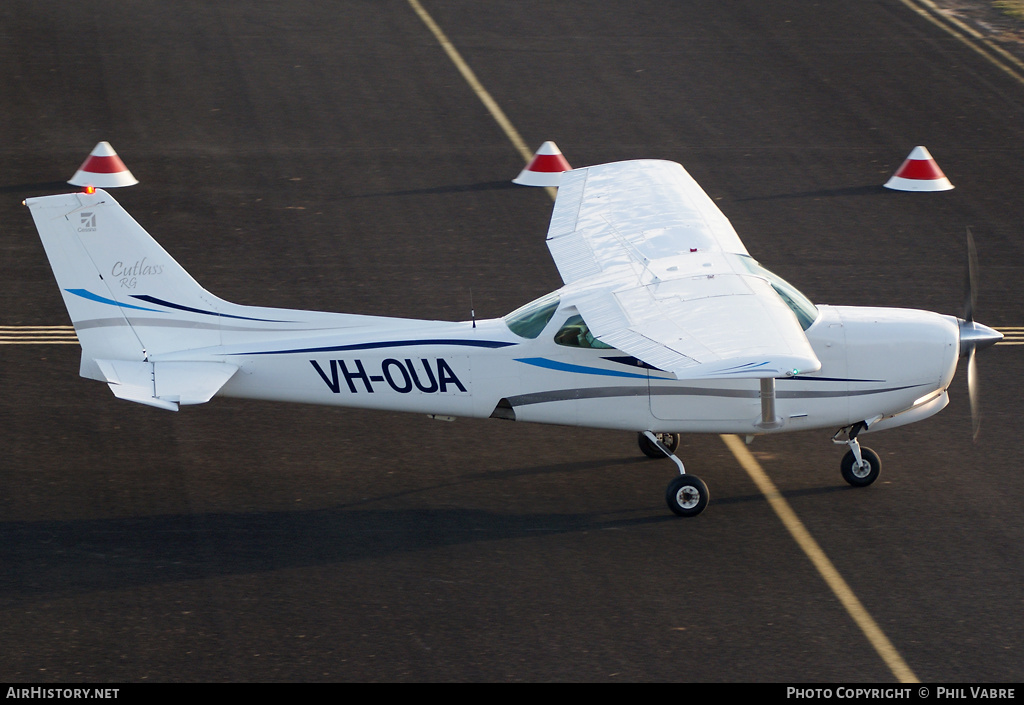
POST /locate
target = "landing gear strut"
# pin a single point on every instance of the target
(860, 466)
(687, 495)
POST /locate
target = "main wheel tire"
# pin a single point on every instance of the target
(671, 441)
(687, 496)
(859, 476)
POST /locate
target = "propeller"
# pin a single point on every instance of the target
(973, 336)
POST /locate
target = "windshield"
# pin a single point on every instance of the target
(528, 321)
(806, 312)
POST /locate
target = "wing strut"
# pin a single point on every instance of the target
(769, 420)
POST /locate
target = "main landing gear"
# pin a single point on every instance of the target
(860, 466)
(687, 495)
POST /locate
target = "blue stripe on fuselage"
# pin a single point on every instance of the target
(580, 369)
(86, 294)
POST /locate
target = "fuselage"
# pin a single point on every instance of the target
(881, 365)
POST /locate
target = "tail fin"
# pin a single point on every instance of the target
(120, 286)
(139, 314)
(128, 299)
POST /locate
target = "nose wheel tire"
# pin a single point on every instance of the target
(864, 474)
(687, 496)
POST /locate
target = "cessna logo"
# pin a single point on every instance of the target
(87, 224)
(403, 376)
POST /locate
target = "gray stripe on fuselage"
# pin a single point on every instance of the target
(193, 325)
(609, 392)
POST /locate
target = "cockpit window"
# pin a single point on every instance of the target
(528, 321)
(806, 312)
(575, 333)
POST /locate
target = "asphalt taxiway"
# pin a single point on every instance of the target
(333, 156)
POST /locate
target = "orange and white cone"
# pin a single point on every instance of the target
(919, 172)
(545, 169)
(103, 169)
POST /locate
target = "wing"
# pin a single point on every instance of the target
(658, 272)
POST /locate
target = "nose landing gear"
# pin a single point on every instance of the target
(860, 466)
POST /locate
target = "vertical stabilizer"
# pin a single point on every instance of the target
(128, 299)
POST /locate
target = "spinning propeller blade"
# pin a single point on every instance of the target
(971, 295)
(972, 392)
(973, 335)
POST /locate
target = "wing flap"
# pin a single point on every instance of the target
(657, 271)
(746, 335)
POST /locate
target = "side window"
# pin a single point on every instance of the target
(575, 334)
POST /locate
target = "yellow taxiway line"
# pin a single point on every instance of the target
(38, 335)
(1012, 335)
(821, 562)
(467, 73)
(970, 37)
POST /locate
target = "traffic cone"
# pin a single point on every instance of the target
(545, 169)
(103, 169)
(919, 172)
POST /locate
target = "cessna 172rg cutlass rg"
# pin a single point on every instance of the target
(664, 325)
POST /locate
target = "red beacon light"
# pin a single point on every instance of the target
(90, 189)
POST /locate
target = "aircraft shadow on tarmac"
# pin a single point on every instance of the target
(54, 558)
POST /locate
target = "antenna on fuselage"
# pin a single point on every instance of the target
(472, 309)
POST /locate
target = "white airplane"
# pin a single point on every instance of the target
(664, 325)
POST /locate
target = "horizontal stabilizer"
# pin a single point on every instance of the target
(165, 384)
